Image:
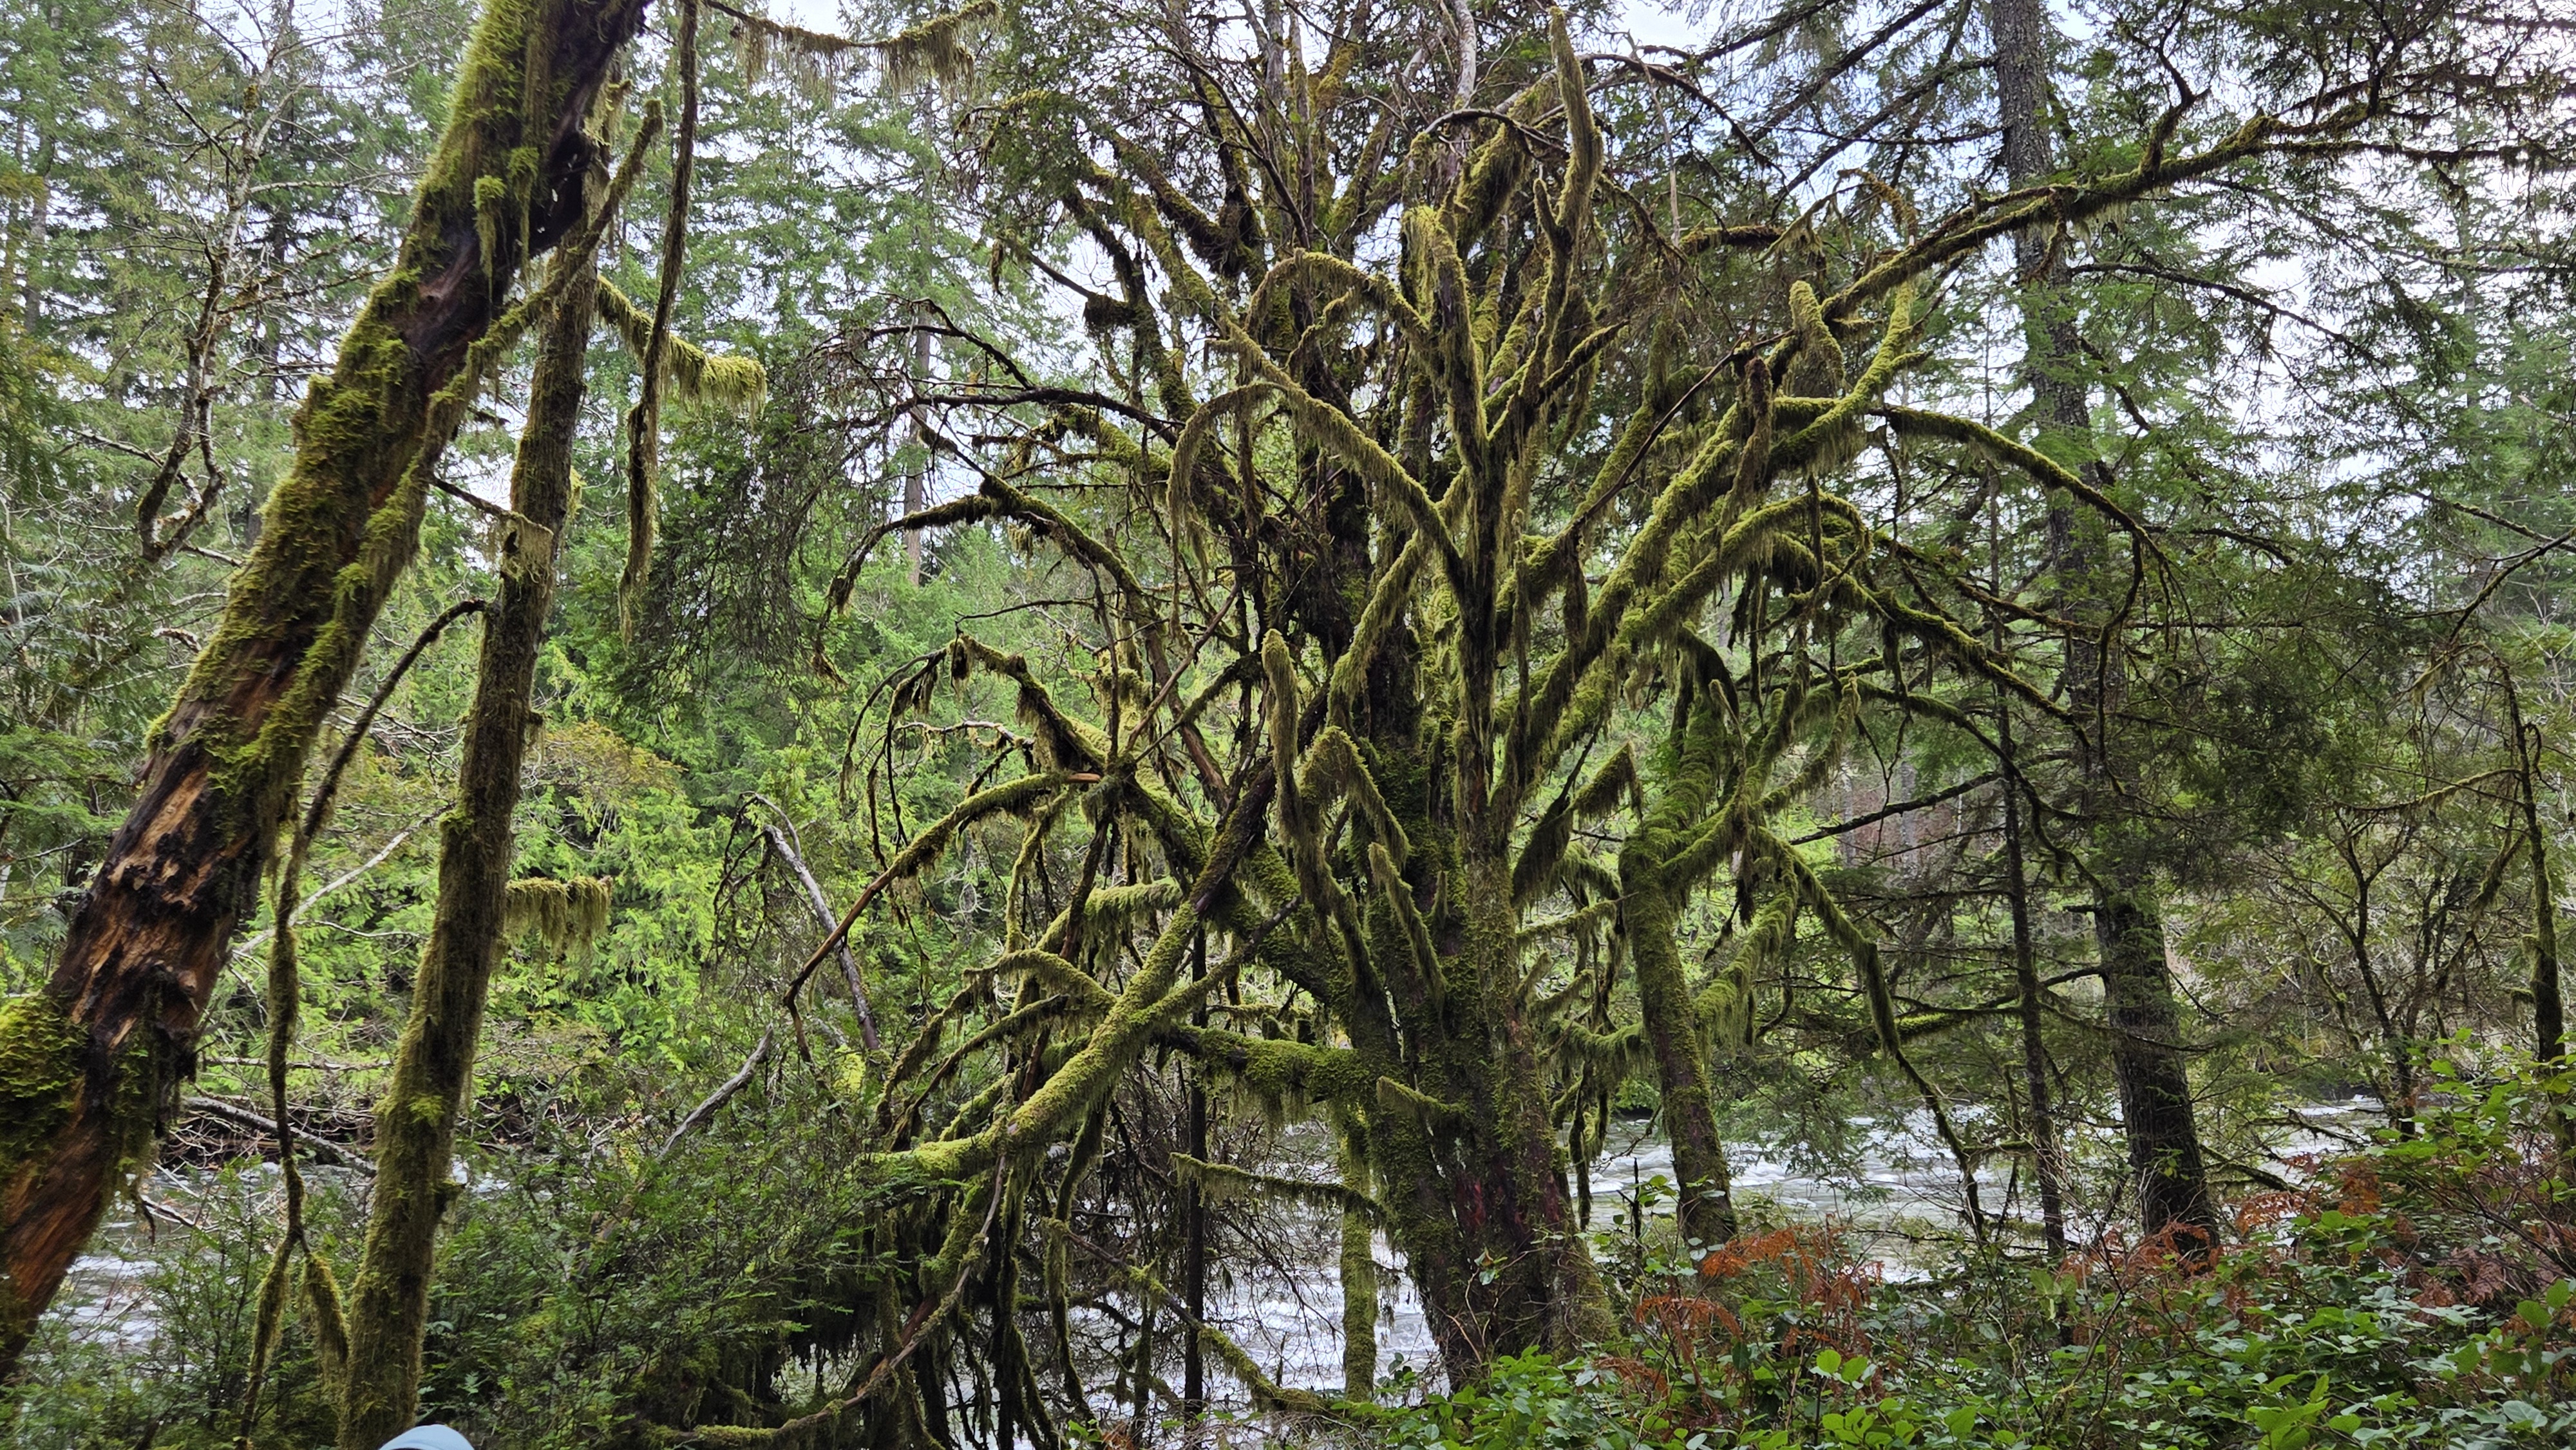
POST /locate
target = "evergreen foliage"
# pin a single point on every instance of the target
(1250, 639)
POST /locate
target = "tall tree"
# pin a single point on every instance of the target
(434, 1063)
(2156, 1111)
(95, 1055)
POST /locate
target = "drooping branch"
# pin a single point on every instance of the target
(644, 420)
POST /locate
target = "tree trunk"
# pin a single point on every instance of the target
(92, 1059)
(916, 474)
(1359, 1277)
(2155, 1091)
(1529, 1280)
(434, 1065)
(2548, 1005)
(1467, 1175)
(1650, 912)
(1671, 1020)
(2046, 1157)
(40, 209)
(1194, 1275)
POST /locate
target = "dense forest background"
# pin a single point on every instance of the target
(1158, 685)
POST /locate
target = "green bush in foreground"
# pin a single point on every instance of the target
(2422, 1294)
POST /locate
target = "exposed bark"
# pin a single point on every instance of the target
(723, 1094)
(115, 1028)
(434, 1065)
(785, 845)
(269, 1127)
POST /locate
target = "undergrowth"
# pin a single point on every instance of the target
(2419, 1294)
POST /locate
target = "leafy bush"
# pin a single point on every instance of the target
(151, 1344)
(2420, 1294)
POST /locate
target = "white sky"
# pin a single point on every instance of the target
(1650, 23)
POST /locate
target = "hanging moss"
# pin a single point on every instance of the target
(696, 375)
(1225, 1183)
(1282, 1078)
(815, 58)
(936, 49)
(567, 915)
(1816, 371)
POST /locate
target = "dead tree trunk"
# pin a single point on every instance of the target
(92, 1059)
(783, 841)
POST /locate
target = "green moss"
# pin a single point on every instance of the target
(491, 199)
(936, 49)
(1293, 1074)
(736, 383)
(39, 1076)
(566, 915)
(1817, 370)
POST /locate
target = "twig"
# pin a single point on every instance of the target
(717, 1099)
(155, 1209)
(252, 943)
(218, 1108)
(784, 843)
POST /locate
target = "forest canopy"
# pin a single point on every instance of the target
(1775, 724)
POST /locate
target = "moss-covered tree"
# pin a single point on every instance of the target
(93, 1059)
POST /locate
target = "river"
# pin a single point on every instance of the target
(1282, 1300)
